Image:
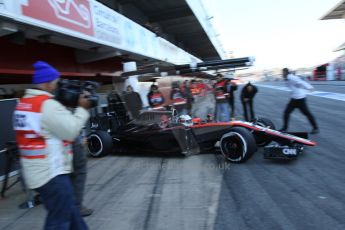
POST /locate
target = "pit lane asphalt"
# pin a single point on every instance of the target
(202, 192)
(304, 194)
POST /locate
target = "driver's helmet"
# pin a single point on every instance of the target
(164, 121)
(185, 120)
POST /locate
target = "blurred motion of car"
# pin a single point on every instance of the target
(163, 132)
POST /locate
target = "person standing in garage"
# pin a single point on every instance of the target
(45, 130)
(222, 105)
(155, 98)
(186, 90)
(133, 102)
(247, 98)
(298, 99)
(179, 100)
(231, 87)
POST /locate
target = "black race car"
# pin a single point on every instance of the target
(163, 132)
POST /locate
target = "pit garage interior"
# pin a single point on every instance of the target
(23, 43)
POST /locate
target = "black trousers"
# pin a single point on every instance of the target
(301, 104)
(78, 176)
(249, 104)
(232, 105)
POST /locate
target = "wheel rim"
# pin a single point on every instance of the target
(95, 145)
(233, 147)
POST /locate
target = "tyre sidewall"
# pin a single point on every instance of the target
(247, 141)
(105, 141)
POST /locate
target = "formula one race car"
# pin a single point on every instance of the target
(164, 132)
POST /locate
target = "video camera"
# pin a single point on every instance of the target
(68, 92)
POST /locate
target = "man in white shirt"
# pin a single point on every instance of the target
(299, 90)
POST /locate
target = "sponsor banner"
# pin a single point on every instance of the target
(70, 14)
(107, 24)
(139, 40)
(170, 53)
(95, 22)
(6, 7)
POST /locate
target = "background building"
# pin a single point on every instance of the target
(336, 68)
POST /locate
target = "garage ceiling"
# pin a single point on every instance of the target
(176, 21)
(338, 12)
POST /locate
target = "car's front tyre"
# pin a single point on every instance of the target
(238, 145)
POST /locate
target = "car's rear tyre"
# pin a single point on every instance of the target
(238, 145)
(265, 122)
(262, 141)
(99, 143)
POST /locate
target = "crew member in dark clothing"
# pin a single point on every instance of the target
(231, 87)
(186, 90)
(133, 101)
(179, 100)
(247, 96)
(155, 98)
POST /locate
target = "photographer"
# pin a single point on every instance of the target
(44, 130)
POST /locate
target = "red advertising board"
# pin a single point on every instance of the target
(70, 14)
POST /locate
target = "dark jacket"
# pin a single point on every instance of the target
(230, 89)
(186, 90)
(134, 103)
(246, 94)
(178, 98)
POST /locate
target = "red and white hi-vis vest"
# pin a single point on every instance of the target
(178, 99)
(219, 92)
(27, 124)
(157, 100)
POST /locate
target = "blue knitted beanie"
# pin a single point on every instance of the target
(44, 73)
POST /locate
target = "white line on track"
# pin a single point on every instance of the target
(329, 95)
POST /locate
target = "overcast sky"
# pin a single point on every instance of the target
(278, 33)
